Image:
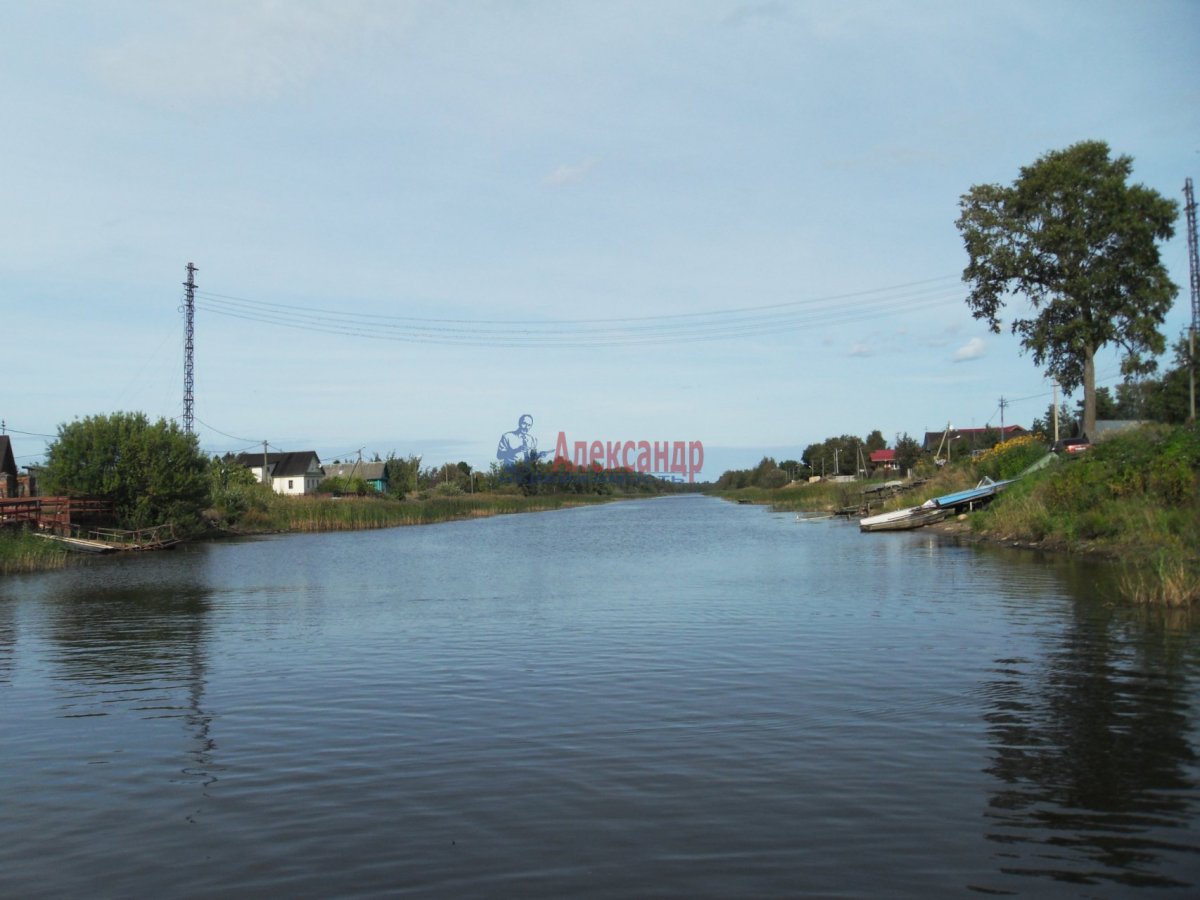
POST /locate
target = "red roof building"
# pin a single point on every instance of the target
(884, 459)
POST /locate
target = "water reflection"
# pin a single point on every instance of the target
(8, 638)
(745, 708)
(1091, 746)
(136, 649)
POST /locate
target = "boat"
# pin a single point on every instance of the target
(820, 518)
(981, 493)
(904, 519)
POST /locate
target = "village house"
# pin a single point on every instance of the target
(296, 473)
(373, 473)
(884, 461)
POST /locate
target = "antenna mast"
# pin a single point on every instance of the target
(189, 348)
(1194, 265)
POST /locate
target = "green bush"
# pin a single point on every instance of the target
(152, 473)
(1010, 458)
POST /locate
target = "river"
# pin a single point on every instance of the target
(674, 697)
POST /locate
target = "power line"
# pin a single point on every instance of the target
(683, 328)
(594, 321)
(11, 430)
(233, 437)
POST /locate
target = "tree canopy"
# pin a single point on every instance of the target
(153, 473)
(908, 451)
(835, 455)
(1081, 245)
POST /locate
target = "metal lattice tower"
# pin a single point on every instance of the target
(189, 348)
(1194, 266)
(1193, 261)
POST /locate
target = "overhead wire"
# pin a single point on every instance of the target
(232, 437)
(8, 430)
(612, 319)
(638, 330)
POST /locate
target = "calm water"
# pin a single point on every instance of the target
(665, 698)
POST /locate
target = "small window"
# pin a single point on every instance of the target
(289, 484)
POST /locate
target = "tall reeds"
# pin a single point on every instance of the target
(308, 514)
(20, 552)
(1166, 581)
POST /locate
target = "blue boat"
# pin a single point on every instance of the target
(981, 493)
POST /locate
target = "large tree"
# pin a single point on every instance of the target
(154, 473)
(1080, 243)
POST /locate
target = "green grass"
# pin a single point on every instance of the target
(307, 514)
(827, 496)
(1133, 498)
(20, 551)
(819, 496)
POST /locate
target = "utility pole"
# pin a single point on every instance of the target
(1055, 383)
(265, 480)
(1003, 404)
(189, 347)
(1194, 266)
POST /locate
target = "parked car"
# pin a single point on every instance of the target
(1073, 446)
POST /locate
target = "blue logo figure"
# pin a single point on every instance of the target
(519, 446)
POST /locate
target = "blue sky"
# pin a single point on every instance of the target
(790, 170)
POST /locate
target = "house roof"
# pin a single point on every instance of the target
(282, 465)
(368, 471)
(934, 438)
(8, 463)
(878, 456)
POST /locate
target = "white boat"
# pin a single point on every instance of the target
(903, 519)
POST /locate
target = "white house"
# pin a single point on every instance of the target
(287, 473)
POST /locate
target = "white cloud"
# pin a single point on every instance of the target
(860, 349)
(975, 348)
(571, 173)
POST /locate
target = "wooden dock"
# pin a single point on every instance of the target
(112, 540)
(59, 515)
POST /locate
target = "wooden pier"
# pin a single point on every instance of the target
(111, 540)
(79, 523)
(57, 515)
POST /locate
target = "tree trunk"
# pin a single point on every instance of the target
(1089, 394)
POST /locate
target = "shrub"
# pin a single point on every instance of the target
(1010, 458)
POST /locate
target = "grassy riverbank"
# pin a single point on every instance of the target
(20, 552)
(820, 496)
(307, 514)
(1135, 498)
(266, 513)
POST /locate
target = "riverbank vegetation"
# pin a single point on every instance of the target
(21, 551)
(1133, 498)
(154, 474)
(417, 497)
(278, 513)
